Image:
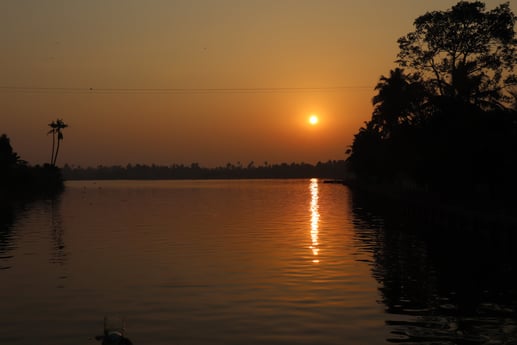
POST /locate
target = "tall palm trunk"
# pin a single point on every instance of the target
(59, 138)
(56, 126)
(53, 147)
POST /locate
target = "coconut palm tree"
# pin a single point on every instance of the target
(399, 100)
(390, 102)
(53, 126)
(56, 130)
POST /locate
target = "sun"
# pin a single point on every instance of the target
(313, 119)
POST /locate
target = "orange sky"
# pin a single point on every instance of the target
(71, 46)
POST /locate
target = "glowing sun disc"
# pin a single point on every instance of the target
(313, 119)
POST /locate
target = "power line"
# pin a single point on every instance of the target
(91, 90)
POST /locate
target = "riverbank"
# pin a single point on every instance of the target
(26, 182)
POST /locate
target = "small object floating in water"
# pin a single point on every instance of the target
(113, 338)
(114, 332)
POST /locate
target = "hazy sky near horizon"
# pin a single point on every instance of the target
(108, 68)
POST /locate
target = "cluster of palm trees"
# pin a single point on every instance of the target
(57, 127)
(448, 115)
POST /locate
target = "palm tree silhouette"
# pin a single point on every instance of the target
(390, 101)
(56, 130)
(395, 103)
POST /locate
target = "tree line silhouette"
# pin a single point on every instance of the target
(19, 179)
(445, 120)
(331, 169)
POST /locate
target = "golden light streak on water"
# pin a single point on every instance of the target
(315, 218)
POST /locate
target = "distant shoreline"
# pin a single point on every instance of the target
(325, 170)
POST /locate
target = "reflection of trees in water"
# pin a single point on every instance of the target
(401, 264)
(13, 210)
(59, 254)
(7, 219)
(438, 285)
(10, 212)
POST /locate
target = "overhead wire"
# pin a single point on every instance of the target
(91, 90)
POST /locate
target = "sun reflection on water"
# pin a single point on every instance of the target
(315, 218)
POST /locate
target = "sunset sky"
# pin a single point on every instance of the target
(207, 81)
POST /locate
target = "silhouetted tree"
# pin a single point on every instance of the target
(465, 52)
(399, 101)
(450, 123)
(367, 152)
(17, 178)
(8, 158)
(56, 130)
(8, 163)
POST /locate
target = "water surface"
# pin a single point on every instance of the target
(234, 262)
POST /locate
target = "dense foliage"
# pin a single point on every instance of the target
(446, 120)
(17, 178)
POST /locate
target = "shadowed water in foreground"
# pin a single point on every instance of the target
(441, 284)
(232, 262)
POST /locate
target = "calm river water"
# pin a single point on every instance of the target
(243, 262)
